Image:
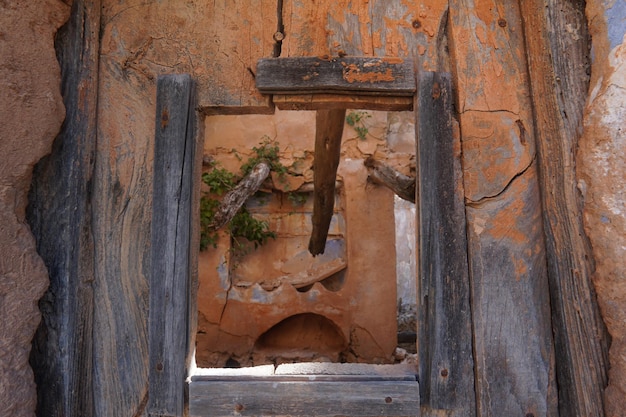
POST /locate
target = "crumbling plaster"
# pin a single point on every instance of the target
(601, 169)
(31, 113)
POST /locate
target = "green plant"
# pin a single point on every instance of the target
(297, 199)
(269, 151)
(356, 120)
(243, 225)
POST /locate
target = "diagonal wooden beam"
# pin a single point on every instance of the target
(329, 128)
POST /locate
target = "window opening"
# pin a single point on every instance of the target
(277, 304)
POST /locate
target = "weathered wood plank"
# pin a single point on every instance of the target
(348, 75)
(306, 398)
(213, 47)
(513, 346)
(171, 245)
(444, 316)
(335, 101)
(329, 128)
(559, 84)
(60, 216)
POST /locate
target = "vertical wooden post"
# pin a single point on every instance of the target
(446, 365)
(60, 215)
(171, 245)
(329, 129)
(580, 336)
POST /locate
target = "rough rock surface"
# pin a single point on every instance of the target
(31, 111)
(602, 181)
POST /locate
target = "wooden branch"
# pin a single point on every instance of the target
(329, 128)
(372, 76)
(236, 197)
(380, 173)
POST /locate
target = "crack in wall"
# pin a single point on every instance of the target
(488, 198)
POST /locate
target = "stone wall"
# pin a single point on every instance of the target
(31, 111)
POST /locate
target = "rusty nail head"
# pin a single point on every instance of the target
(159, 366)
(165, 118)
(239, 407)
(388, 400)
(416, 24)
(444, 373)
(502, 22)
(279, 36)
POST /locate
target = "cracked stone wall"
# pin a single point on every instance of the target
(601, 169)
(31, 111)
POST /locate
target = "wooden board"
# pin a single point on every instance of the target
(513, 346)
(60, 215)
(444, 315)
(349, 75)
(171, 245)
(303, 398)
(560, 82)
(335, 101)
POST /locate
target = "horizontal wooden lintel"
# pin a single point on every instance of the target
(348, 75)
(335, 101)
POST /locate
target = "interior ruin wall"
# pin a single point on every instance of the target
(359, 297)
(132, 54)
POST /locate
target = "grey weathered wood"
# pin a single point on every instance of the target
(171, 245)
(559, 83)
(235, 198)
(329, 128)
(304, 398)
(348, 75)
(444, 315)
(380, 173)
(60, 216)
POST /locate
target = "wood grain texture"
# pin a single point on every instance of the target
(60, 216)
(382, 28)
(558, 62)
(513, 346)
(217, 42)
(304, 398)
(171, 245)
(444, 318)
(349, 75)
(329, 128)
(334, 101)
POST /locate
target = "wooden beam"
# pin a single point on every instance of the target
(444, 316)
(349, 75)
(168, 325)
(60, 215)
(579, 333)
(329, 129)
(335, 101)
(380, 173)
(304, 398)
